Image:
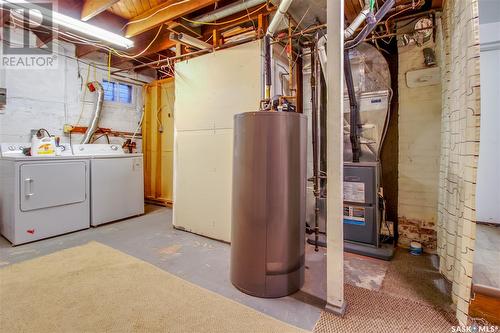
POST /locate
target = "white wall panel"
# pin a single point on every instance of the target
(212, 88)
(202, 177)
(209, 91)
(488, 177)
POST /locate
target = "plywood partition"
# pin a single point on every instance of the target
(158, 140)
(209, 91)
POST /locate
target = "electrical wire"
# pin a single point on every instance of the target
(109, 66)
(84, 95)
(158, 120)
(298, 24)
(121, 54)
(138, 125)
(153, 14)
(225, 22)
(100, 136)
(71, 38)
(83, 40)
(249, 18)
(95, 66)
(412, 6)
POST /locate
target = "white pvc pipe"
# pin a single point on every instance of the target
(275, 22)
(322, 53)
(349, 31)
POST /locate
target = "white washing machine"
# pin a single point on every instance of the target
(42, 197)
(116, 182)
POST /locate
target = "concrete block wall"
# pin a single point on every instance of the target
(419, 149)
(50, 98)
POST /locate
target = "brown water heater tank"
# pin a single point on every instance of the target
(268, 203)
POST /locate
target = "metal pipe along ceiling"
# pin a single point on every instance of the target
(349, 31)
(226, 11)
(275, 22)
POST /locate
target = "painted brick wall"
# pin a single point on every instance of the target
(50, 98)
(419, 147)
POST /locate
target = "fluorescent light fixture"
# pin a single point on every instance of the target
(191, 41)
(69, 22)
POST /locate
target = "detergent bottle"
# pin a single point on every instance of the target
(43, 146)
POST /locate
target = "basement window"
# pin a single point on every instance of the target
(124, 93)
(117, 92)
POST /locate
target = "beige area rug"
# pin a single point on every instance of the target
(94, 288)
(377, 312)
(417, 278)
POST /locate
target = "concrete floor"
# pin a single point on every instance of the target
(202, 261)
(205, 262)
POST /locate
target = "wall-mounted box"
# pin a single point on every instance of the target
(423, 77)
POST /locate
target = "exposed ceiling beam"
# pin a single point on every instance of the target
(141, 42)
(160, 44)
(105, 19)
(92, 8)
(165, 12)
(109, 21)
(82, 50)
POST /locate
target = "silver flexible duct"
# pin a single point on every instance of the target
(94, 86)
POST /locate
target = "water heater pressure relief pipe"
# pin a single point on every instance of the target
(271, 30)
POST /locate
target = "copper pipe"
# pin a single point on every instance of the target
(396, 34)
(312, 29)
(194, 53)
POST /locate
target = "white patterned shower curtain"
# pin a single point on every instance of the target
(459, 37)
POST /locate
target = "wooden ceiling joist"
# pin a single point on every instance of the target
(162, 43)
(92, 8)
(166, 12)
(82, 50)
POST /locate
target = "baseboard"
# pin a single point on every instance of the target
(485, 304)
(491, 224)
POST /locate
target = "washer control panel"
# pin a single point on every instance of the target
(98, 149)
